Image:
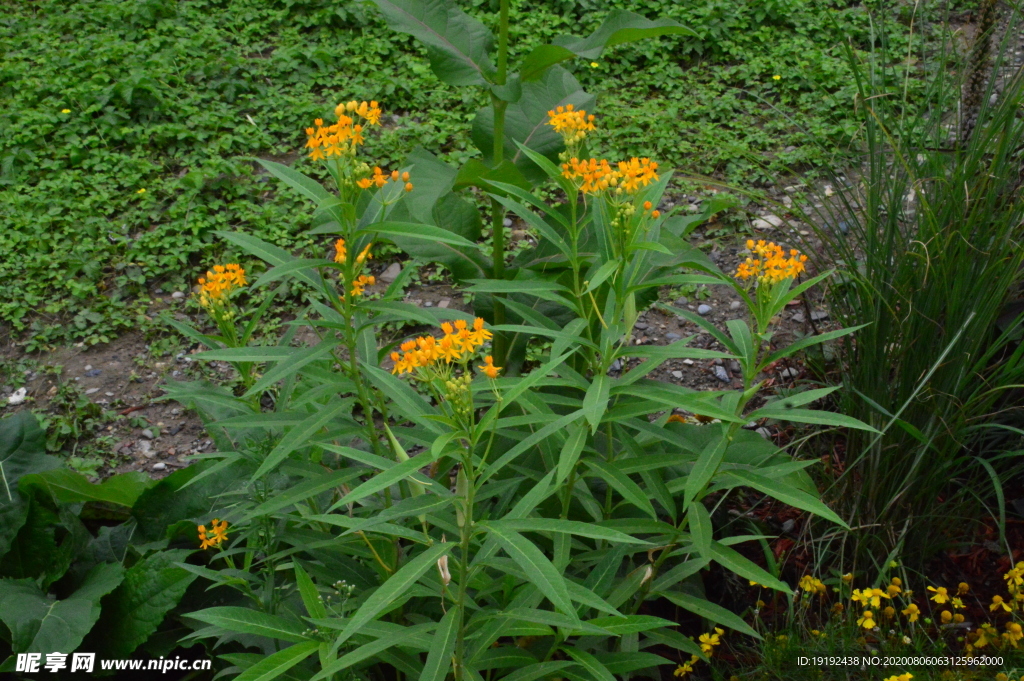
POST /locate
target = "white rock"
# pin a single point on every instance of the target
(92, 391)
(159, 466)
(17, 397)
(177, 295)
(735, 305)
(789, 373)
(88, 367)
(391, 273)
(768, 222)
(688, 362)
(764, 432)
(445, 302)
(677, 374)
(720, 374)
(146, 449)
(703, 309)
(148, 434)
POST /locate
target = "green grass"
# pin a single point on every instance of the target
(173, 98)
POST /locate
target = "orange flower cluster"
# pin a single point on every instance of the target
(771, 266)
(380, 178)
(361, 282)
(572, 124)
(219, 282)
(344, 136)
(217, 534)
(636, 173)
(654, 213)
(341, 253)
(456, 345)
(591, 175)
(594, 176)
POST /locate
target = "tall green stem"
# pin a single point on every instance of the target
(498, 105)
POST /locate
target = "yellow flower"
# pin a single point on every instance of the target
(218, 283)
(571, 123)
(958, 618)
(361, 282)
(1013, 633)
(776, 77)
(907, 676)
(912, 612)
(456, 345)
(343, 137)
(896, 581)
(594, 64)
(141, 191)
(946, 616)
(340, 251)
(770, 267)
(65, 111)
(218, 533)
(958, 604)
(591, 176)
(686, 667)
(872, 597)
(962, 588)
(986, 634)
(709, 641)
(893, 590)
(812, 585)
(941, 595)
(889, 612)
(848, 577)
(867, 620)
(488, 367)
(636, 173)
(998, 602)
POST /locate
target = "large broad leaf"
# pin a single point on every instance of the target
(538, 568)
(39, 624)
(526, 121)
(782, 491)
(306, 186)
(22, 452)
(67, 486)
(151, 588)
(249, 621)
(619, 27)
(457, 44)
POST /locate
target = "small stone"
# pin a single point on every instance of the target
(787, 202)
(717, 361)
(798, 317)
(616, 366)
(109, 394)
(148, 434)
(640, 326)
(177, 295)
(735, 367)
(804, 232)
(788, 525)
(703, 309)
(88, 367)
(720, 374)
(789, 373)
(391, 273)
(768, 222)
(17, 397)
(159, 466)
(92, 391)
(688, 362)
(146, 449)
(428, 304)
(175, 412)
(174, 430)
(175, 373)
(735, 305)
(682, 301)
(93, 373)
(828, 190)
(764, 432)
(445, 302)
(790, 189)
(677, 374)
(672, 336)
(507, 222)
(818, 315)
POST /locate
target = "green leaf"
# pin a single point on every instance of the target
(151, 588)
(565, 526)
(541, 670)
(388, 477)
(417, 230)
(396, 585)
(304, 490)
(728, 558)
(708, 610)
(705, 468)
(776, 410)
(570, 453)
(277, 664)
(300, 436)
(368, 650)
(306, 186)
(249, 621)
(700, 527)
(541, 572)
(457, 44)
(292, 364)
(39, 624)
(595, 402)
(785, 493)
(67, 486)
(310, 596)
(22, 452)
(271, 254)
(540, 59)
(808, 341)
(622, 484)
(406, 508)
(620, 27)
(439, 658)
(595, 669)
(526, 121)
(630, 624)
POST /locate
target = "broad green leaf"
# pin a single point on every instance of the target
(457, 44)
(707, 465)
(275, 273)
(394, 587)
(67, 486)
(595, 402)
(553, 619)
(540, 59)
(39, 624)
(280, 662)
(623, 662)
(249, 621)
(541, 572)
(565, 526)
(416, 230)
(794, 347)
(304, 490)
(292, 365)
(620, 27)
(541, 670)
(22, 452)
(630, 624)
(667, 580)
(785, 493)
(151, 588)
(439, 659)
(300, 436)
(701, 529)
(622, 484)
(251, 354)
(503, 657)
(387, 478)
(369, 650)
(709, 610)
(406, 508)
(570, 453)
(306, 186)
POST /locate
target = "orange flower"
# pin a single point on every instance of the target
(217, 534)
(488, 367)
(457, 344)
(219, 282)
(771, 266)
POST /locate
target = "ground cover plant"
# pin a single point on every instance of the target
(117, 127)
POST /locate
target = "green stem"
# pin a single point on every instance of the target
(460, 603)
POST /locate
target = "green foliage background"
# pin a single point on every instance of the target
(172, 97)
